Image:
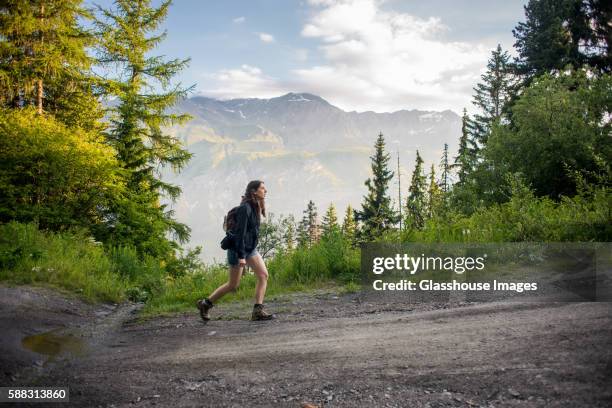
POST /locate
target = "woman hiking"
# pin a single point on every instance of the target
(244, 252)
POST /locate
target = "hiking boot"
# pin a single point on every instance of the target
(204, 305)
(260, 314)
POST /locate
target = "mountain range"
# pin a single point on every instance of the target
(301, 146)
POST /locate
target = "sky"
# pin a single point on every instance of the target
(378, 55)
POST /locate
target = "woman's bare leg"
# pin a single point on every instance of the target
(261, 272)
(235, 273)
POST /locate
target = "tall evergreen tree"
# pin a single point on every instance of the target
(314, 228)
(470, 166)
(138, 120)
(493, 94)
(466, 156)
(377, 213)
(303, 239)
(544, 41)
(330, 221)
(349, 227)
(416, 205)
(309, 230)
(445, 168)
(434, 195)
(44, 61)
(599, 43)
(558, 33)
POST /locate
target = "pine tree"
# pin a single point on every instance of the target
(330, 222)
(465, 196)
(416, 205)
(493, 94)
(44, 61)
(466, 156)
(435, 198)
(138, 120)
(314, 229)
(309, 230)
(445, 168)
(598, 43)
(555, 33)
(303, 239)
(349, 227)
(377, 213)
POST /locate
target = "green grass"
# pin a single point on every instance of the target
(181, 294)
(73, 263)
(68, 261)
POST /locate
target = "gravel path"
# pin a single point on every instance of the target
(324, 350)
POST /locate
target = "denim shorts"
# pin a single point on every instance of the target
(232, 256)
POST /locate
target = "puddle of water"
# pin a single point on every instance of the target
(53, 344)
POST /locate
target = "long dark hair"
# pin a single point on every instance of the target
(258, 204)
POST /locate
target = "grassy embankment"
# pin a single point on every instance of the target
(74, 262)
(71, 261)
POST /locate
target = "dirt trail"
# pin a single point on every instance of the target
(332, 350)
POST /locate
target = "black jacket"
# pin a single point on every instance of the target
(246, 230)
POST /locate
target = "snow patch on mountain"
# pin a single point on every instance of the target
(299, 98)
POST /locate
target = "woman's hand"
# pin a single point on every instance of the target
(242, 262)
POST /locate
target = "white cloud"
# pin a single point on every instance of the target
(239, 20)
(373, 59)
(246, 81)
(384, 60)
(301, 54)
(265, 37)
